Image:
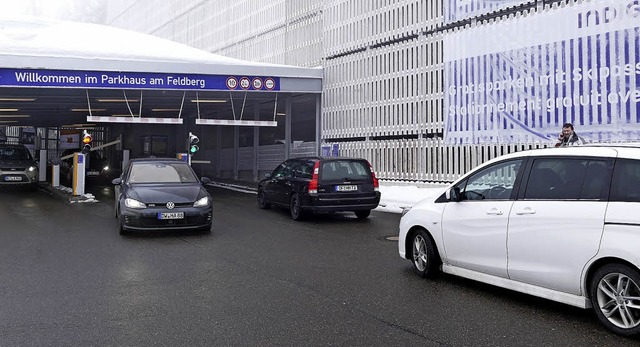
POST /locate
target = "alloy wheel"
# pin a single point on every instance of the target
(618, 298)
(420, 253)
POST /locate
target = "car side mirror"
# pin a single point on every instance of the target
(267, 175)
(205, 180)
(117, 181)
(453, 194)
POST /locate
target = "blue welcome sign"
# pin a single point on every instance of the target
(133, 80)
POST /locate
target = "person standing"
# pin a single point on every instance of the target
(568, 137)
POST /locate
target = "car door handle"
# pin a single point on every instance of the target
(495, 211)
(526, 210)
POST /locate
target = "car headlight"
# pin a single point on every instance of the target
(32, 168)
(106, 168)
(132, 203)
(202, 202)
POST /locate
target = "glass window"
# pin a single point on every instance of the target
(567, 179)
(493, 183)
(345, 169)
(626, 181)
(304, 170)
(596, 181)
(161, 173)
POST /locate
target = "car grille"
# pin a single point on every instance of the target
(149, 222)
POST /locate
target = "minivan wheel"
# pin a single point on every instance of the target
(295, 209)
(262, 200)
(615, 297)
(423, 254)
(363, 214)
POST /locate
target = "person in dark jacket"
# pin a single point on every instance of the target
(568, 137)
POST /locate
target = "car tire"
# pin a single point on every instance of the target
(614, 293)
(262, 200)
(363, 214)
(424, 255)
(295, 209)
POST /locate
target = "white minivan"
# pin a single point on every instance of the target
(558, 223)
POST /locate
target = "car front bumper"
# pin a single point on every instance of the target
(147, 219)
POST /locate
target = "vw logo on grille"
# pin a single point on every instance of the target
(171, 205)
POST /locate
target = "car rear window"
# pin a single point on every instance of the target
(345, 169)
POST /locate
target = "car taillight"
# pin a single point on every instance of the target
(376, 184)
(313, 185)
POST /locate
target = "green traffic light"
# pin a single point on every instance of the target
(193, 149)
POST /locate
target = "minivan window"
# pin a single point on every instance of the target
(567, 179)
(344, 169)
(493, 183)
(625, 185)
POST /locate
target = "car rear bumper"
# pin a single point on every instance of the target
(336, 204)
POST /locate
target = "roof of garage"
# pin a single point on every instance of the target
(52, 70)
(27, 42)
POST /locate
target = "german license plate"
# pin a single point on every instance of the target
(92, 173)
(170, 215)
(12, 178)
(346, 188)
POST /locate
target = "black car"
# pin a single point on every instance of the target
(162, 194)
(318, 184)
(97, 168)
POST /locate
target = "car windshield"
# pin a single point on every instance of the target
(161, 173)
(14, 153)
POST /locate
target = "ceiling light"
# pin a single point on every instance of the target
(78, 126)
(208, 100)
(117, 100)
(8, 121)
(14, 116)
(8, 109)
(164, 109)
(281, 114)
(17, 99)
(86, 110)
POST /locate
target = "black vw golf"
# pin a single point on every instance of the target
(318, 184)
(161, 194)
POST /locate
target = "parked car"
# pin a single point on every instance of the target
(317, 184)
(557, 223)
(97, 170)
(161, 194)
(17, 167)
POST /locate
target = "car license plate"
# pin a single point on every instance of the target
(12, 178)
(171, 215)
(346, 188)
(92, 173)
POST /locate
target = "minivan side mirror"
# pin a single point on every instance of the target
(117, 181)
(205, 180)
(267, 175)
(453, 194)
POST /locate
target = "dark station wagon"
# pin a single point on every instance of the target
(318, 184)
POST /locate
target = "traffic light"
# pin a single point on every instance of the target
(86, 142)
(193, 140)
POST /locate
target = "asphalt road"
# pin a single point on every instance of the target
(68, 278)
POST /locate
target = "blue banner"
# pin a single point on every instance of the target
(133, 80)
(519, 80)
(456, 10)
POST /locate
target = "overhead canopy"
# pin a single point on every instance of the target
(56, 67)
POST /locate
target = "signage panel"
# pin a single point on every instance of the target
(127, 80)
